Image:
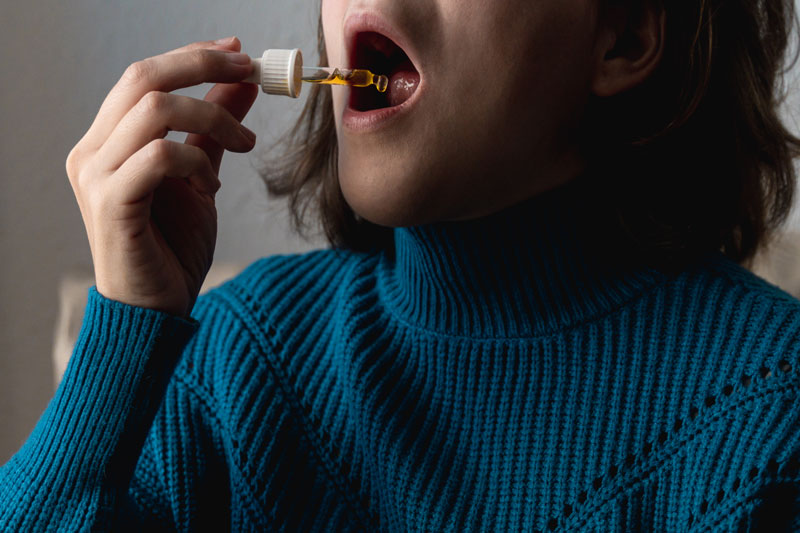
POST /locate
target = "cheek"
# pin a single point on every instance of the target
(332, 27)
(532, 67)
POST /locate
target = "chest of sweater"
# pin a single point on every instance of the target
(636, 420)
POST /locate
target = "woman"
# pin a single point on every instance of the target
(532, 316)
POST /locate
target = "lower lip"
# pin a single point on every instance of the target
(370, 121)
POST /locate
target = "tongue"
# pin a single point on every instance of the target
(402, 83)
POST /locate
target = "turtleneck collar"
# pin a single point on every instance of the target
(528, 270)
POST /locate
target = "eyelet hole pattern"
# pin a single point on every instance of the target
(772, 466)
(787, 468)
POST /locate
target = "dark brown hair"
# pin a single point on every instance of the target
(694, 159)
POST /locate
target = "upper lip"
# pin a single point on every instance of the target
(370, 21)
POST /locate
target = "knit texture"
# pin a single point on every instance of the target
(492, 375)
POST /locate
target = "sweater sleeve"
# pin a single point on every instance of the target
(181, 481)
(74, 470)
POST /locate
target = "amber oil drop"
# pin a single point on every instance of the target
(337, 76)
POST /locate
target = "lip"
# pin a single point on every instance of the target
(370, 21)
(369, 121)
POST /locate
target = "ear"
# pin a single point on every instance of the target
(629, 47)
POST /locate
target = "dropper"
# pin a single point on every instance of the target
(358, 77)
(282, 72)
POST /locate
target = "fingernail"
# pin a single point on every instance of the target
(224, 40)
(238, 58)
(250, 134)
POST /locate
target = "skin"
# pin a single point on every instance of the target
(148, 203)
(471, 146)
(475, 144)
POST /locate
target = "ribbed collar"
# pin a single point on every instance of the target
(532, 269)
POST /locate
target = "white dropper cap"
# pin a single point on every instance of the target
(278, 72)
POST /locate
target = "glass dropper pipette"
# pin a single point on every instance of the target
(341, 76)
(282, 72)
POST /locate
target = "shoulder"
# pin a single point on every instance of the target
(728, 328)
(716, 358)
(254, 320)
(739, 338)
(745, 281)
(719, 296)
(279, 299)
(274, 288)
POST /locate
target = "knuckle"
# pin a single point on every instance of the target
(138, 72)
(71, 163)
(201, 57)
(154, 101)
(158, 150)
(82, 179)
(202, 163)
(197, 156)
(220, 116)
(205, 163)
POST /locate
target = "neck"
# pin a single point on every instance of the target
(531, 269)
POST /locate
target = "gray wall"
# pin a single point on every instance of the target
(58, 61)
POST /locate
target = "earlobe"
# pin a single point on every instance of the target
(634, 53)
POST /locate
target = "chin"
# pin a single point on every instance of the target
(399, 206)
(388, 210)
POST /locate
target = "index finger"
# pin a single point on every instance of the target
(237, 98)
(186, 66)
(228, 43)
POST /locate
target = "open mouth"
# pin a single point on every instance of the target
(381, 55)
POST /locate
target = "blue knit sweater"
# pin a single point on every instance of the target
(489, 375)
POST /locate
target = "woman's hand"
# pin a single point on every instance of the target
(148, 203)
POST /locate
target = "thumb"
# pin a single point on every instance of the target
(237, 98)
